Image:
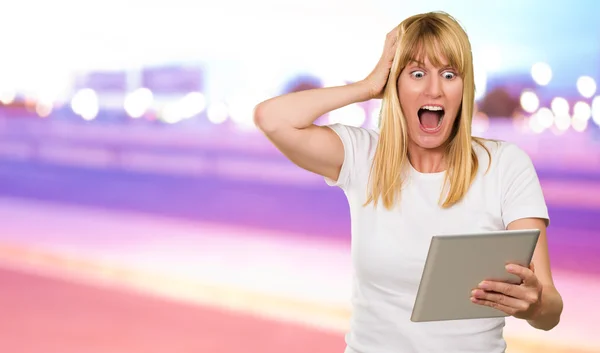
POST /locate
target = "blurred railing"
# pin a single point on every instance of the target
(222, 150)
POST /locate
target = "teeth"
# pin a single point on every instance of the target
(432, 107)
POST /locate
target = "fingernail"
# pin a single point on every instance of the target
(510, 267)
(473, 292)
(483, 285)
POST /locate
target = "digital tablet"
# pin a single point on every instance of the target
(456, 264)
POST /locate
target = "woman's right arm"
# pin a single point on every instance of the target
(288, 120)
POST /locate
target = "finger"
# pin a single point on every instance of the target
(526, 274)
(392, 37)
(501, 299)
(523, 293)
(506, 309)
(512, 290)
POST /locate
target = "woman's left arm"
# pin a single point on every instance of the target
(536, 299)
(550, 304)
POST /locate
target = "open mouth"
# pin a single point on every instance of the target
(430, 117)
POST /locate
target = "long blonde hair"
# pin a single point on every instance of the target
(433, 34)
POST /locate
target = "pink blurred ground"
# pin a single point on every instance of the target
(42, 315)
(85, 262)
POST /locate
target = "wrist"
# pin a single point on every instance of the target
(364, 90)
(547, 312)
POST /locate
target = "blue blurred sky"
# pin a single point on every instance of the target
(261, 42)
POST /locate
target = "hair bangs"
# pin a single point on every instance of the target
(434, 41)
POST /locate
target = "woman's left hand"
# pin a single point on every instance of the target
(521, 301)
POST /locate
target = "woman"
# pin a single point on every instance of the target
(423, 174)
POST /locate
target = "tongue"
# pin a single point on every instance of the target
(429, 120)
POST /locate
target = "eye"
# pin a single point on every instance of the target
(417, 74)
(449, 75)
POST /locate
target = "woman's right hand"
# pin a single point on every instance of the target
(377, 79)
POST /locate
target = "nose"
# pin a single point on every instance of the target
(434, 87)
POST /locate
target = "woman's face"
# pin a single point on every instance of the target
(430, 98)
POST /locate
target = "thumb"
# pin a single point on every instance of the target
(532, 279)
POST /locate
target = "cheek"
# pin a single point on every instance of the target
(458, 97)
(408, 98)
(409, 90)
(457, 92)
(454, 95)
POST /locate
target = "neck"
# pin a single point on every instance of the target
(426, 160)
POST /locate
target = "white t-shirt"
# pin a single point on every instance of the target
(389, 247)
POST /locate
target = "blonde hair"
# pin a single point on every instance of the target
(435, 35)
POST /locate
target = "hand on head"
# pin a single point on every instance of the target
(377, 79)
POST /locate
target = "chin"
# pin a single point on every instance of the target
(430, 142)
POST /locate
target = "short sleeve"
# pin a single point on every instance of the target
(522, 195)
(359, 145)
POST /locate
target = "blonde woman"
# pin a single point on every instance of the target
(422, 174)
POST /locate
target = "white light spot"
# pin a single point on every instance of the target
(545, 117)
(217, 113)
(541, 73)
(579, 125)
(529, 101)
(586, 86)
(85, 104)
(138, 102)
(192, 104)
(560, 106)
(596, 110)
(535, 125)
(582, 111)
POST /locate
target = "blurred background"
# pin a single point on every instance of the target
(141, 210)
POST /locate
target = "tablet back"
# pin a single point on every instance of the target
(456, 264)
